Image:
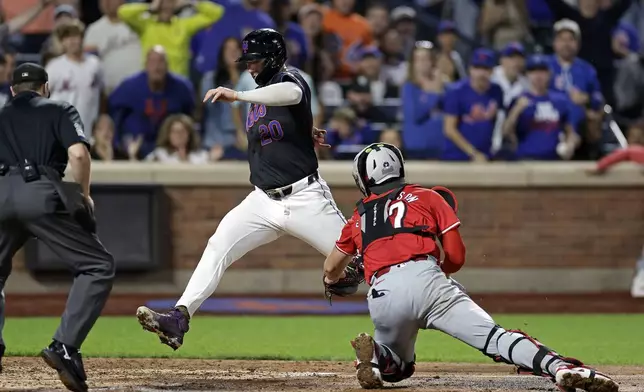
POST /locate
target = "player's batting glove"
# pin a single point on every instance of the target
(354, 275)
(448, 195)
(319, 136)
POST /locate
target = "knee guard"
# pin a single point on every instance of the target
(390, 370)
(518, 336)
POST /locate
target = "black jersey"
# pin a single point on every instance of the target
(281, 149)
(44, 130)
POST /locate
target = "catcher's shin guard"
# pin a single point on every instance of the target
(392, 368)
(515, 347)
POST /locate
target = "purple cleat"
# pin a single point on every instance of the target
(170, 327)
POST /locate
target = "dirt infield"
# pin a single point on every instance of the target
(155, 375)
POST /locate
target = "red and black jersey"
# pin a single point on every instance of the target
(397, 226)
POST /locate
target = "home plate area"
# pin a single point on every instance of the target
(152, 375)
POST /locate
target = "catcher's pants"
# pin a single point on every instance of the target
(418, 295)
(309, 213)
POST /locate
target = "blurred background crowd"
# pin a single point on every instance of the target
(450, 80)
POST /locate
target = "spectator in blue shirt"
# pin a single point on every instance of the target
(537, 122)
(471, 110)
(577, 79)
(539, 12)
(297, 44)
(345, 135)
(241, 17)
(422, 131)
(141, 103)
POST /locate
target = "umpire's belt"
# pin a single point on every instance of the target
(46, 171)
(280, 193)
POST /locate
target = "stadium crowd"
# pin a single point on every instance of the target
(450, 80)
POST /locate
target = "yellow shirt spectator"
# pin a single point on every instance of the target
(163, 28)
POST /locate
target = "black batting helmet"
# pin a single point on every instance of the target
(267, 45)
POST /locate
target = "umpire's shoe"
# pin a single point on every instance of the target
(170, 327)
(67, 361)
(2, 348)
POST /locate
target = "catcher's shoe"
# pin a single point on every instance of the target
(69, 365)
(170, 327)
(367, 372)
(570, 377)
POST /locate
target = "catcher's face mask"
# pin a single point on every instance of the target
(377, 164)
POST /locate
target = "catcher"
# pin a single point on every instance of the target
(396, 228)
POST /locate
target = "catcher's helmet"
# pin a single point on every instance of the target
(267, 45)
(378, 167)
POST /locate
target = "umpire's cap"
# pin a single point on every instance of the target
(29, 72)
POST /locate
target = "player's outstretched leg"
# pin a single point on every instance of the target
(469, 323)
(244, 228)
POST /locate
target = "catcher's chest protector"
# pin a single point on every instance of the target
(375, 222)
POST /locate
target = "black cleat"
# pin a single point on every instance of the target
(2, 349)
(68, 363)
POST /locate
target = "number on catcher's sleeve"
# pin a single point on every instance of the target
(399, 208)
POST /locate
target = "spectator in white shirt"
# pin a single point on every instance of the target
(63, 14)
(509, 75)
(115, 43)
(178, 142)
(76, 77)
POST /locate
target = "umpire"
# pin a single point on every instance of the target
(38, 137)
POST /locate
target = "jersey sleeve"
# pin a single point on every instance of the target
(442, 213)
(289, 77)
(70, 127)
(345, 243)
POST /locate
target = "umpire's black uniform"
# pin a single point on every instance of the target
(35, 134)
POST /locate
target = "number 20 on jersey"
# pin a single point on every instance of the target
(267, 132)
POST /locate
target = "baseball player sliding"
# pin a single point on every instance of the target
(289, 197)
(396, 227)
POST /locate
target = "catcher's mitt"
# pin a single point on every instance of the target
(354, 275)
(448, 195)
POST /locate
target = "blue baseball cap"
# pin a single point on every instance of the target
(447, 26)
(369, 51)
(512, 49)
(537, 62)
(629, 33)
(483, 58)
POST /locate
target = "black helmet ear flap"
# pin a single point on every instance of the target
(359, 171)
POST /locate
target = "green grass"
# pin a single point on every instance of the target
(596, 339)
